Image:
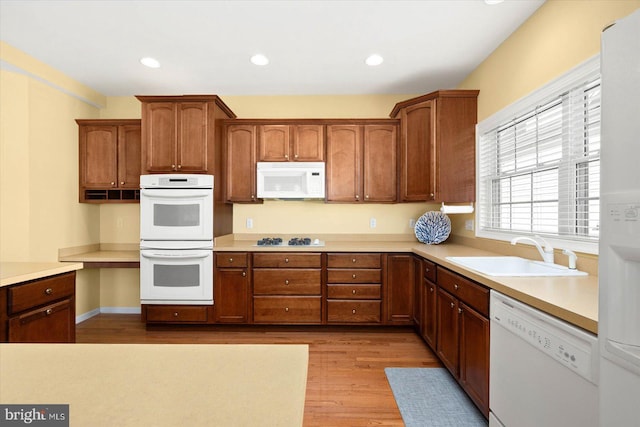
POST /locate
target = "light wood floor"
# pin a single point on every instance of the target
(346, 384)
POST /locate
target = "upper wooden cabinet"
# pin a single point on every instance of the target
(437, 146)
(109, 160)
(179, 133)
(361, 162)
(240, 166)
(284, 143)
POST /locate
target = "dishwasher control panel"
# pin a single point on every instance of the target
(573, 347)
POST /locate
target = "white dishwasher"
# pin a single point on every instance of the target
(543, 371)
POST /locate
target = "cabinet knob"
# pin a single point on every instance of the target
(253, 197)
(353, 292)
(357, 197)
(244, 274)
(286, 260)
(455, 286)
(48, 291)
(426, 270)
(353, 260)
(173, 167)
(286, 281)
(286, 309)
(366, 197)
(295, 156)
(179, 167)
(353, 276)
(353, 311)
(121, 182)
(452, 304)
(431, 195)
(459, 311)
(431, 289)
(48, 311)
(230, 259)
(286, 156)
(175, 314)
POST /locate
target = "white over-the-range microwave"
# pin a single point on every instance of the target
(290, 180)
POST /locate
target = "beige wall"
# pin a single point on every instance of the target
(39, 209)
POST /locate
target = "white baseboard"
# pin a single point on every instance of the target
(110, 310)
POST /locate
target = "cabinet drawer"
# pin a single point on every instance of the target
(287, 259)
(284, 281)
(176, 314)
(353, 291)
(350, 311)
(353, 276)
(472, 294)
(286, 309)
(352, 260)
(232, 259)
(429, 270)
(53, 323)
(39, 292)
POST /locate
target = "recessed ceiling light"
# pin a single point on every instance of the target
(259, 59)
(374, 60)
(150, 62)
(491, 2)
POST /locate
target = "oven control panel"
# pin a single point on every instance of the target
(569, 345)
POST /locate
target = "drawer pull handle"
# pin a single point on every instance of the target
(353, 292)
(230, 260)
(175, 314)
(48, 311)
(244, 274)
(286, 260)
(353, 260)
(353, 276)
(48, 291)
(353, 311)
(455, 286)
(286, 282)
(286, 309)
(452, 305)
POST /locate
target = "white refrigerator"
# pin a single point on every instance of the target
(619, 258)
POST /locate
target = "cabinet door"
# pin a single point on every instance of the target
(308, 143)
(53, 323)
(380, 163)
(99, 156)
(418, 299)
(447, 335)
(429, 313)
(191, 148)
(399, 289)
(231, 295)
(241, 163)
(159, 136)
(344, 163)
(474, 356)
(273, 143)
(417, 153)
(129, 140)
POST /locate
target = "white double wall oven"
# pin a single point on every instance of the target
(176, 239)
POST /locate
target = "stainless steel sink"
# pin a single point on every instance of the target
(513, 266)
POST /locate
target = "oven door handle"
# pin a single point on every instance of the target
(155, 255)
(174, 194)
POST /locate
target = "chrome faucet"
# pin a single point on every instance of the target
(547, 253)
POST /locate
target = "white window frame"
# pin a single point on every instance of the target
(568, 80)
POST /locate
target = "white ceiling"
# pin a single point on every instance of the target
(315, 47)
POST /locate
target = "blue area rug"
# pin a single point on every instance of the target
(430, 397)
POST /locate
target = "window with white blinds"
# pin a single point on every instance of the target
(539, 164)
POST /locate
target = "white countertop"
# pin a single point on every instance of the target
(18, 272)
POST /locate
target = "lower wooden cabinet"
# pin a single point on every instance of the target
(429, 307)
(462, 342)
(399, 289)
(232, 287)
(41, 311)
(287, 309)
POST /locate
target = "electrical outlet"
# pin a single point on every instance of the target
(249, 222)
(412, 223)
(468, 224)
(372, 223)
